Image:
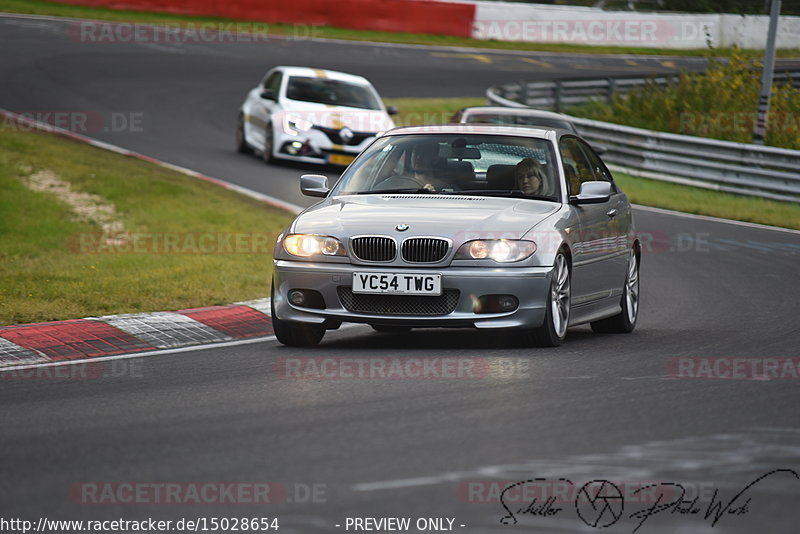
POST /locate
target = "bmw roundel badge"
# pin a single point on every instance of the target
(401, 227)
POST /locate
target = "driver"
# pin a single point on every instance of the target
(530, 177)
(423, 160)
(421, 170)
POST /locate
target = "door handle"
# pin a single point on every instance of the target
(612, 212)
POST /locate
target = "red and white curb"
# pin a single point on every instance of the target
(95, 337)
(118, 335)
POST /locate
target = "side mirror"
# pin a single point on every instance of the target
(599, 149)
(267, 94)
(314, 185)
(392, 110)
(592, 193)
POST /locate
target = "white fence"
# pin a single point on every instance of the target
(504, 21)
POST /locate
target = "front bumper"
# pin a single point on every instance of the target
(316, 148)
(530, 285)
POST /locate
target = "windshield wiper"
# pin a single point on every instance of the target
(508, 193)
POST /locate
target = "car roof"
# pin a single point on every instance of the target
(482, 129)
(310, 72)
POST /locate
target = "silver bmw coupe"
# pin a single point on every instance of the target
(461, 225)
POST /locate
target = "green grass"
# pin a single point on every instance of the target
(706, 202)
(64, 10)
(719, 103)
(45, 275)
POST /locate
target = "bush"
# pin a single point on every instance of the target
(720, 103)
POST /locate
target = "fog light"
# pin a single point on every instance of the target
(506, 302)
(294, 147)
(306, 298)
(296, 297)
(495, 304)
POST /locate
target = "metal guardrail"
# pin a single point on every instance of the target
(740, 168)
(560, 94)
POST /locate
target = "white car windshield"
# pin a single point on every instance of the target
(331, 92)
(470, 164)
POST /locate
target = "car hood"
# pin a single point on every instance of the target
(456, 217)
(338, 117)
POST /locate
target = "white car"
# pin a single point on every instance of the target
(311, 116)
(513, 117)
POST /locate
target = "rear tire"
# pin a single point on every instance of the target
(625, 321)
(241, 141)
(556, 319)
(294, 334)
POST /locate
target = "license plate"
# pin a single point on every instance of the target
(398, 283)
(338, 159)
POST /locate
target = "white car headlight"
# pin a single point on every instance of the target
(294, 124)
(307, 245)
(499, 250)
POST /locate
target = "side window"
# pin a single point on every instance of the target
(273, 82)
(576, 167)
(599, 169)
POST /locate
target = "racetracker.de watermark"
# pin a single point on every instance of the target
(263, 242)
(98, 32)
(172, 243)
(592, 31)
(394, 368)
(75, 121)
(732, 122)
(202, 493)
(734, 368)
(77, 371)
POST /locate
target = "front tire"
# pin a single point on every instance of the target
(554, 329)
(241, 141)
(269, 141)
(294, 334)
(625, 321)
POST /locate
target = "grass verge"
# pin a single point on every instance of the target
(36, 7)
(198, 244)
(706, 202)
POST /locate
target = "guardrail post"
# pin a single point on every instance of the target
(559, 89)
(612, 88)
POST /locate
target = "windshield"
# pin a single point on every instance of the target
(467, 164)
(332, 92)
(519, 120)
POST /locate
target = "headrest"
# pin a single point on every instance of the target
(460, 173)
(500, 177)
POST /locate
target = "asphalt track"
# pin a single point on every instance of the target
(600, 407)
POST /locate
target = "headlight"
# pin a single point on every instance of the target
(307, 245)
(500, 250)
(295, 124)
